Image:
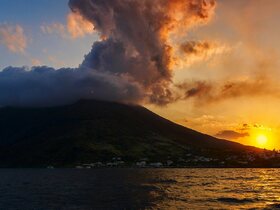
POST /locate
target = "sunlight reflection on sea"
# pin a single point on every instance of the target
(140, 189)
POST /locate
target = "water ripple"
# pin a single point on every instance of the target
(140, 189)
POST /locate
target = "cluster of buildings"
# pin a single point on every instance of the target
(116, 162)
(245, 159)
(145, 163)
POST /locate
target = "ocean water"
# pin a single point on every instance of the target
(41, 189)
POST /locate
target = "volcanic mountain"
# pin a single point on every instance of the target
(91, 130)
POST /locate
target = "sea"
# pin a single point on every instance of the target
(86, 189)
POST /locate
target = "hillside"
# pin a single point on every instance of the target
(89, 131)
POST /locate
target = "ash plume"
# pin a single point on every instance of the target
(132, 62)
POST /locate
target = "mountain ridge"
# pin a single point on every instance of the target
(92, 130)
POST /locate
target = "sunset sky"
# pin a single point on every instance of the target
(227, 63)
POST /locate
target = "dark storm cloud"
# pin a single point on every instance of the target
(44, 86)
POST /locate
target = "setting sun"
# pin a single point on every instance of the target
(262, 140)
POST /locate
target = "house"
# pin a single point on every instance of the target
(141, 164)
(156, 165)
(169, 162)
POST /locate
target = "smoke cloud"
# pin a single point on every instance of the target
(206, 92)
(195, 51)
(132, 62)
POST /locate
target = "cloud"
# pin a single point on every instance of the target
(132, 62)
(134, 59)
(13, 37)
(44, 86)
(196, 51)
(230, 134)
(245, 127)
(195, 48)
(55, 61)
(207, 92)
(199, 89)
(54, 28)
(137, 41)
(35, 62)
(78, 26)
(206, 121)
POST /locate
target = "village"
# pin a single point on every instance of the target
(249, 159)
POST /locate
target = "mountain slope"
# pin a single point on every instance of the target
(96, 131)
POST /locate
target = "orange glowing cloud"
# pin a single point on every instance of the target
(13, 38)
(181, 16)
(78, 26)
(205, 92)
(192, 52)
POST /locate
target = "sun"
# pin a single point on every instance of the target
(262, 140)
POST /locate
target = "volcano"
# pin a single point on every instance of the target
(91, 130)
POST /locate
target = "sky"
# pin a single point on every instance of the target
(41, 47)
(214, 68)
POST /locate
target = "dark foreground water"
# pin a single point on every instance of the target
(139, 189)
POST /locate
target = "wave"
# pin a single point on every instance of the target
(237, 200)
(164, 181)
(273, 206)
(240, 178)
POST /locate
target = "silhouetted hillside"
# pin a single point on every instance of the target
(91, 130)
